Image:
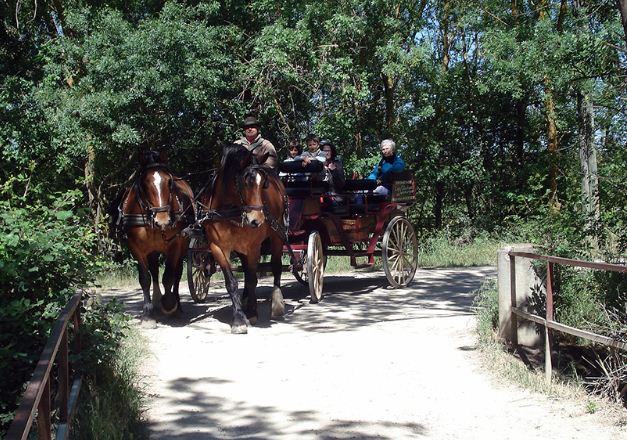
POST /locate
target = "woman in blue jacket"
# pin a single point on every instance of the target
(389, 164)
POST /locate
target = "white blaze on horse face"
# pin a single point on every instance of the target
(161, 218)
(157, 183)
(255, 217)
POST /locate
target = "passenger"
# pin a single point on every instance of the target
(314, 153)
(263, 150)
(333, 170)
(389, 164)
(293, 151)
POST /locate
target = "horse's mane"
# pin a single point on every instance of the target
(235, 158)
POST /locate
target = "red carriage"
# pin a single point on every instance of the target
(326, 226)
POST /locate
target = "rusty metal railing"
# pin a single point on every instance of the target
(36, 399)
(548, 321)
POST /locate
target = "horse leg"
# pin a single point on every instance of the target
(250, 284)
(171, 301)
(153, 266)
(144, 282)
(278, 303)
(240, 323)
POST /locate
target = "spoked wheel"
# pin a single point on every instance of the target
(198, 274)
(301, 274)
(399, 251)
(315, 266)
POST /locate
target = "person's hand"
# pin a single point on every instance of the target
(306, 161)
(331, 166)
(379, 182)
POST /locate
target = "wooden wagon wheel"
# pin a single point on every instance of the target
(399, 251)
(315, 266)
(198, 277)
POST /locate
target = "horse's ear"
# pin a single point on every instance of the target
(163, 156)
(143, 157)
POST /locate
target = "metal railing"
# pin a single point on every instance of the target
(37, 397)
(548, 321)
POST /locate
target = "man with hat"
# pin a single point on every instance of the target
(264, 151)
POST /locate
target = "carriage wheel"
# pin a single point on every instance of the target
(315, 266)
(399, 251)
(198, 278)
(301, 274)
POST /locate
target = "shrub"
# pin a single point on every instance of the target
(45, 252)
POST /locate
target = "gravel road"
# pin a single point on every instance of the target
(366, 363)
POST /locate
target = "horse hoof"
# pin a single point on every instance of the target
(241, 329)
(168, 307)
(148, 323)
(278, 304)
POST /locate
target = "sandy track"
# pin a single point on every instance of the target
(366, 363)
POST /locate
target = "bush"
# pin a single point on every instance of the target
(486, 305)
(111, 403)
(45, 253)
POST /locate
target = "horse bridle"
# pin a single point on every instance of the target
(239, 212)
(148, 217)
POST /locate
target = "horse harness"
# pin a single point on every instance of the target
(239, 212)
(147, 217)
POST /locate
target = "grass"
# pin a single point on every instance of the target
(442, 250)
(507, 368)
(112, 401)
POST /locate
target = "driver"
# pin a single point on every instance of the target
(263, 150)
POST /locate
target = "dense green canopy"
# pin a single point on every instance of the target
(489, 101)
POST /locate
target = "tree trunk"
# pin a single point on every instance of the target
(588, 161)
(622, 7)
(388, 90)
(552, 141)
(445, 38)
(439, 204)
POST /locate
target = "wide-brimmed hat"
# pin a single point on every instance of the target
(250, 121)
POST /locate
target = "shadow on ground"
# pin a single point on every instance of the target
(255, 422)
(349, 301)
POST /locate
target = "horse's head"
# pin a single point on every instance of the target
(253, 181)
(243, 183)
(155, 190)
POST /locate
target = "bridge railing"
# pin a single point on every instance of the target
(516, 311)
(36, 401)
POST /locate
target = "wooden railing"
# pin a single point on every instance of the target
(37, 397)
(548, 321)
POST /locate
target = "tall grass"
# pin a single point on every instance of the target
(443, 250)
(112, 400)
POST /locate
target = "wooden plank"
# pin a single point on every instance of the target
(570, 262)
(35, 389)
(605, 340)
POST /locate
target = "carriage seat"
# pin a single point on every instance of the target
(302, 181)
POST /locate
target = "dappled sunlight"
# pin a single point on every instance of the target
(349, 301)
(189, 411)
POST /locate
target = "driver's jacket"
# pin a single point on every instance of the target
(260, 147)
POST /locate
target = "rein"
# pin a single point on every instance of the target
(239, 212)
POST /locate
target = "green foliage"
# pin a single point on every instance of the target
(444, 250)
(486, 305)
(45, 253)
(112, 399)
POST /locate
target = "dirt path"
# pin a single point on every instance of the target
(365, 363)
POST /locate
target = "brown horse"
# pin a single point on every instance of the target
(244, 206)
(153, 212)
